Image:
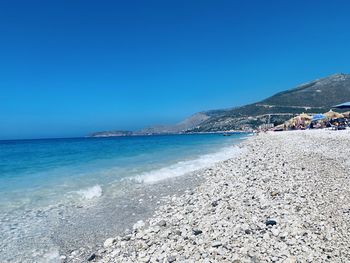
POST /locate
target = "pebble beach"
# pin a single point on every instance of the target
(284, 198)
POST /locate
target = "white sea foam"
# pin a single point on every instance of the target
(91, 192)
(185, 167)
(51, 256)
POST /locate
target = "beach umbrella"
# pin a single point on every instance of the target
(304, 116)
(346, 114)
(300, 120)
(279, 127)
(318, 117)
(333, 115)
(307, 122)
(293, 121)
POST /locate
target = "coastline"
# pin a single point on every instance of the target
(70, 232)
(115, 215)
(68, 228)
(137, 199)
(283, 199)
(131, 134)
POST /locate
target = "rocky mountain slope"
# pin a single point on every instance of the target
(313, 97)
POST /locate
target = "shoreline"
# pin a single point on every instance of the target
(118, 215)
(169, 134)
(68, 229)
(137, 200)
(91, 221)
(134, 203)
(284, 199)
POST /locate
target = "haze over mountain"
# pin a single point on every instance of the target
(312, 97)
(185, 125)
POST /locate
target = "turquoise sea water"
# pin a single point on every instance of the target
(36, 174)
(36, 171)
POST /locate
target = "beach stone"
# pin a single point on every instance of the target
(274, 259)
(266, 236)
(245, 227)
(270, 222)
(275, 232)
(290, 260)
(177, 232)
(138, 225)
(91, 257)
(145, 259)
(247, 231)
(179, 247)
(216, 244)
(171, 259)
(162, 223)
(197, 232)
(109, 242)
(274, 193)
(126, 237)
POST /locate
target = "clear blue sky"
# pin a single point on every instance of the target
(68, 68)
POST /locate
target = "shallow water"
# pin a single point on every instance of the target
(55, 195)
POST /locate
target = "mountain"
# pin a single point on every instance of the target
(319, 93)
(312, 97)
(111, 134)
(183, 126)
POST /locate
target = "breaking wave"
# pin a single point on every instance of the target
(185, 167)
(91, 192)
